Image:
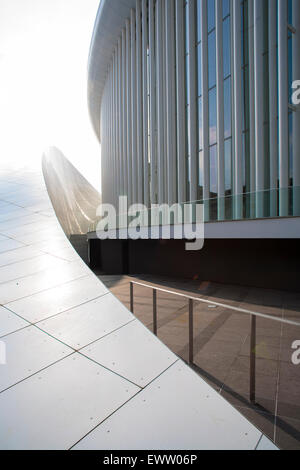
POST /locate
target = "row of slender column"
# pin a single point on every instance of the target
(296, 114)
(143, 106)
(146, 137)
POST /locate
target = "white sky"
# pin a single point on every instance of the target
(44, 48)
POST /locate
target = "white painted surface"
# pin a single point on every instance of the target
(88, 322)
(133, 352)
(53, 301)
(56, 407)
(28, 351)
(29, 285)
(30, 266)
(15, 223)
(9, 322)
(176, 411)
(9, 244)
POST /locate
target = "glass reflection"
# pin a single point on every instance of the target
(212, 117)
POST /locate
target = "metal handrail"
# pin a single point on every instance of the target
(191, 300)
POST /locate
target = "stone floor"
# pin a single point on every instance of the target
(222, 345)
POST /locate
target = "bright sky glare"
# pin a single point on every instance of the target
(44, 48)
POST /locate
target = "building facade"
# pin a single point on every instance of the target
(192, 101)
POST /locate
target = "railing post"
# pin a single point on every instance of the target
(131, 297)
(154, 312)
(191, 331)
(252, 358)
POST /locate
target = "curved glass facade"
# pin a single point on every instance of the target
(197, 106)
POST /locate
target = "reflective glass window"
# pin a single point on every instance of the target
(227, 161)
(187, 78)
(213, 169)
(200, 123)
(201, 168)
(210, 15)
(226, 8)
(186, 28)
(199, 54)
(199, 16)
(212, 117)
(226, 47)
(211, 59)
(227, 107)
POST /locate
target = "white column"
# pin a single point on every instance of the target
(120, 87)
(164, 104)
(111, 159)
(232, 108)
(134, 178)
(296, 114)
(103, 150)
(117, 164)
(251, 107)
(110, 138)
(145, 102)
(113, 133)
(220, 109)
(152, 103)
(160, 108)
(139, 106)
(205, 107)
(273, 107)
(124, 114)
(129, 123)
(170, 101)
(180, 98)
(102, 147)
(192, 100)
(237, 64)
(259, 108)
(116, 143)
(283, 107)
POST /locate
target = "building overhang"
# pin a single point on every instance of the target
(109, 22)
(272, 228)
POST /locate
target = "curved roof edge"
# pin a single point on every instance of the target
(109, 22)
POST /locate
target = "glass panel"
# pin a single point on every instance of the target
(186, 29)
(227, 107)
(199, 17)
(188, 127)
(226, 47)
(291, 115)
(243, 36)
(201, 169)
(290, 67)
(199, 70)
(213, 170)
(247, 98)
(290, 12)
(200, 123)
(187, 78)
(212, 117)
(244, 161)
(227, 157)
(226, 8)
(210, 14)
(260, 204)
(211, 59)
